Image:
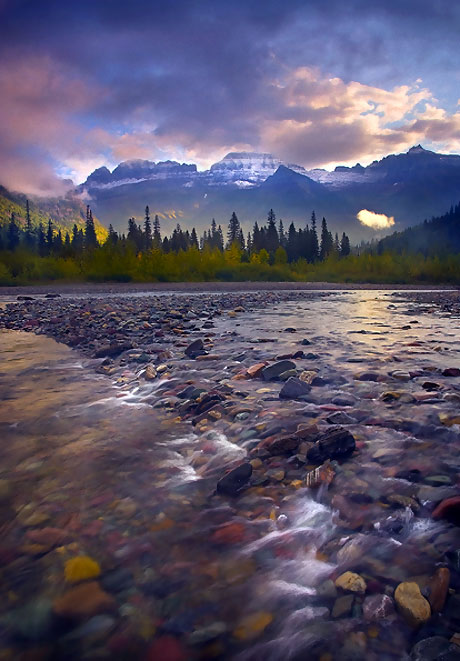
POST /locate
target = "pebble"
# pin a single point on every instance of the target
(351, 582)
(84, 601)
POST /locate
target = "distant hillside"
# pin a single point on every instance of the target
(64, 212)
(438, 236)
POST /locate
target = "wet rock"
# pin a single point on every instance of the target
(435, 648)
(335, 444)
(255, 371)
(48, 537)
(449, 510)
(117, 580)
(322, 475)
(294, 389)
(34, 621)
(326, 590)
(344, 400)
(351, 582)
(195, 349)
(378, 607)
(253, 625)
(343, 606)
(451, 371)
(234, 481)
(272, 372)
(412, 605)
(167, 648)
(206, 634)
(84, 601)
(438, 588)
(112, 349)
(81, 568)
(341, 418)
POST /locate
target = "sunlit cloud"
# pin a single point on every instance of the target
(377, 221)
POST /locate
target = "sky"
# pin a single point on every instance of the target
(315, 82)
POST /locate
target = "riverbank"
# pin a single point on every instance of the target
(255, 476)
(199, 287)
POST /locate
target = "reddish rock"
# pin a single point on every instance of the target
(229, 533)
(451, 371)
(255, 371)
(166, 648)
(84, 601)
(49, 537)
(378, 607)
(448, 509)
(439, 585)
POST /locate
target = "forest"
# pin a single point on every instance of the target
(44, 253)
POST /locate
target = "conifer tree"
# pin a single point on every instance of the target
(156, 233)
(344, 245)
(271, 235)
(41, 240)
(12, 240)
(90, 232)
(314, 239)
(49, 237)
(233, 231)
(29, 234)
(147, 229)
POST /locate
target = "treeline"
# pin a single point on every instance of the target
(267, 252)
(266, 243)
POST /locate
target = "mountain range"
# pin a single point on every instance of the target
(409, 186)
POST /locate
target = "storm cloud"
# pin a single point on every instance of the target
(317, 83)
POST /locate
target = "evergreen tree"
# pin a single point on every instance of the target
(12, 239)
(220, 238)
(29, 234)
(292, 243)
(194, 238)
(271, 236)
(90, 232)
(156, 233)
(57, 243)
(147, 229)
(49, 237)
(314, 239)
(344, 245)
(281, 234)
(112, 238)
(249, 243)
(233, 232)
(41, 240)
(256, 242)
(327, 242)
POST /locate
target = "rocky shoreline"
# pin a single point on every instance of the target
(302, 428)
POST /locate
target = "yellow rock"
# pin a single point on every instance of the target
(80, 568)
(253, 625)
(296, 484)
(351, 582)
(412, 604)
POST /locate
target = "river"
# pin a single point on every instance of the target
(99, 462)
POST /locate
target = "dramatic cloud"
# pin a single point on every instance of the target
(377, 221)
(318, 83)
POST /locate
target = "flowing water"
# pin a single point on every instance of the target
(120, 477)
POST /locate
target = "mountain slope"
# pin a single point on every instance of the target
(64, 212)
(439, 236)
